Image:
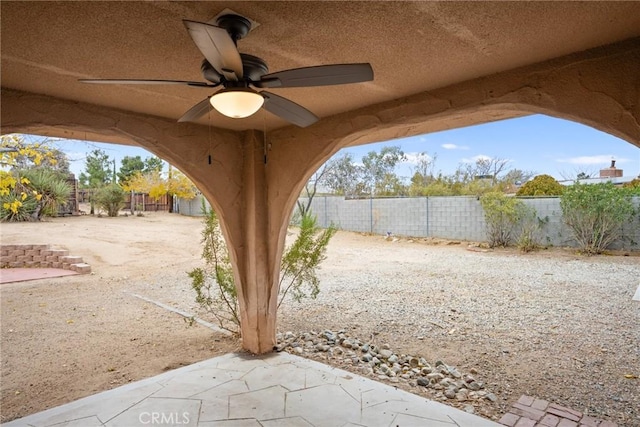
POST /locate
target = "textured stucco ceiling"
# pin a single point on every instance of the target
(413, 47)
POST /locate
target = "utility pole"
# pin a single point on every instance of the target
(170, 194)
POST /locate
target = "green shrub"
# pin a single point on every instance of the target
(110, 198)
(541, 185)
(214, 283)
(502, 215)
(301, 260)
(595, 214)
(633, 185)
(436, 188)
(530, 229)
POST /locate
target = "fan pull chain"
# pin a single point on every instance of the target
(264, 135)
(209, 114)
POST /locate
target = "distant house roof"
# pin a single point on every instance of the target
(619, 180)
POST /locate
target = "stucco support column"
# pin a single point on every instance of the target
(253, 250)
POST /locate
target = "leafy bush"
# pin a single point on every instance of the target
(435, 188)
(541, 185)
(110, 198)
(215, 286)
(633, 185)
(502, 215)
(302, 258)
(530, 229)
(595, 214)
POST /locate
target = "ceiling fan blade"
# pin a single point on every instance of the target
(322, 75)
(146, 82)
(197, 111)
(217, 47)
(288, 110)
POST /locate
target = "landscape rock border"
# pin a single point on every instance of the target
(445, 382)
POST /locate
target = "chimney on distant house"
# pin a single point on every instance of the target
(611, 171)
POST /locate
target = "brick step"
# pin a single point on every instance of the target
(70, 259)
(81, 268)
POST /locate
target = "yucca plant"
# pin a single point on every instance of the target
(49, 188)
(36, 193)
(14, 209)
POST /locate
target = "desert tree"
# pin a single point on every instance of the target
(378, 168)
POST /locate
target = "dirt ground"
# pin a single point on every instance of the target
(66, 338)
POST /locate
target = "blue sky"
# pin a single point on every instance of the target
(537, 143)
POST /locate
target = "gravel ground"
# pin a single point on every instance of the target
(551, 324)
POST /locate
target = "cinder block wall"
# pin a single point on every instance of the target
(460, 218)
(40, 256)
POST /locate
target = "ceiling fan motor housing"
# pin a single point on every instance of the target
(253, 69)
(237, 26)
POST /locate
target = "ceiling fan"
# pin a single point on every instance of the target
(238, 73)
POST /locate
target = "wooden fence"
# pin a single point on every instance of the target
(141, 202)
(144, 203)
(71, 206)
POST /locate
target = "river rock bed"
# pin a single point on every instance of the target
(438, 380)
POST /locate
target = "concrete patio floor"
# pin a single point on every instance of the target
(10, 275)
(241, 390)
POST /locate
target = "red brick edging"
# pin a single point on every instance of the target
(532, 412)
(40, 256)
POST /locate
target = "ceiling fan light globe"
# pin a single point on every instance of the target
(237, 103)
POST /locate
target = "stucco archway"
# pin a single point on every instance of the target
(254, 198)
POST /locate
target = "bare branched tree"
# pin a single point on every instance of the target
(425, 165)
(518, 176)
(310, 189)
(488, 166)
(579, 172)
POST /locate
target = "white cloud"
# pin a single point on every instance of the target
(414, 157)
(476, 158)
(602, 159)
(449, 146)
